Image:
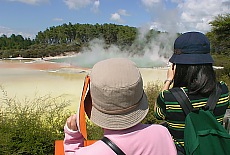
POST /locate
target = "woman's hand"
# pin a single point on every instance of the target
(170, 77)
(71, 123)
(171, 72)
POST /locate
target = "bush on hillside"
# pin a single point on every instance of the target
(31, 127)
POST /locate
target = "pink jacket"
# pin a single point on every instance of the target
(142, 139)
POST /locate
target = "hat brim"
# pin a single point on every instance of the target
(121, 121)
(191, 59)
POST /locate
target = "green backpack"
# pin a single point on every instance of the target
(203, 134)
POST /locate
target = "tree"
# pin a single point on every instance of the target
(220, 34)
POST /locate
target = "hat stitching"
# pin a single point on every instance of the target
(177, 51)
(110, 88)
(122, 111)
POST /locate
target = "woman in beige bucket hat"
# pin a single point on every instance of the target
(119, 104)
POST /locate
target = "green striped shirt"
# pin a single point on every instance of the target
(170, 110)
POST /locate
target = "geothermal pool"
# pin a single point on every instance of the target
(27, 79)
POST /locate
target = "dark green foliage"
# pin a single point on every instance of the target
(220, 34)
(223, 74)
(32, 127)
(14, 42)
(152, 91)
(94, 132)
(219, 37)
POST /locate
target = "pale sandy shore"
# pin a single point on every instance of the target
(27, 78)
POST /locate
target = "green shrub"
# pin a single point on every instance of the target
(31, 127)
(223, 74)
(94, 132)
(152, 91)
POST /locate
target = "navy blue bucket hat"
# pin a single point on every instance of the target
(191, 48)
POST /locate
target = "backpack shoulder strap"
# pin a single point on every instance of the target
(182, 99)
(213, 98)
(113, 146)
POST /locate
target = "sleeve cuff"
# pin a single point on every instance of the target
(69, 130)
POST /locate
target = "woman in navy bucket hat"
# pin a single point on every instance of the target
(191, 69)
(192, 48)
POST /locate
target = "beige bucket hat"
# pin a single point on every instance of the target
(118, 99)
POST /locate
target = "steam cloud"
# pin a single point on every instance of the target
(154, 54)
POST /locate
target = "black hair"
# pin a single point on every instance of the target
(197, 78)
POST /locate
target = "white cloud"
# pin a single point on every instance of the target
(8, 32)
(150, 3)
(96, 6)
(116, 17)
(5, 30)
(78, 4)
(26, 35)
(197, 14)
(58, 19)
(177, 1)
(189, 15)
(123, 12)
(32, 2)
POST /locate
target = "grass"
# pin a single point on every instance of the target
(31, 127)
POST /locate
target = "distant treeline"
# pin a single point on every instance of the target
(70, 37)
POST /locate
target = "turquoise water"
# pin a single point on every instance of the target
(86, 60)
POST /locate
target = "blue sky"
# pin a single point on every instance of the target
(28, 17)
